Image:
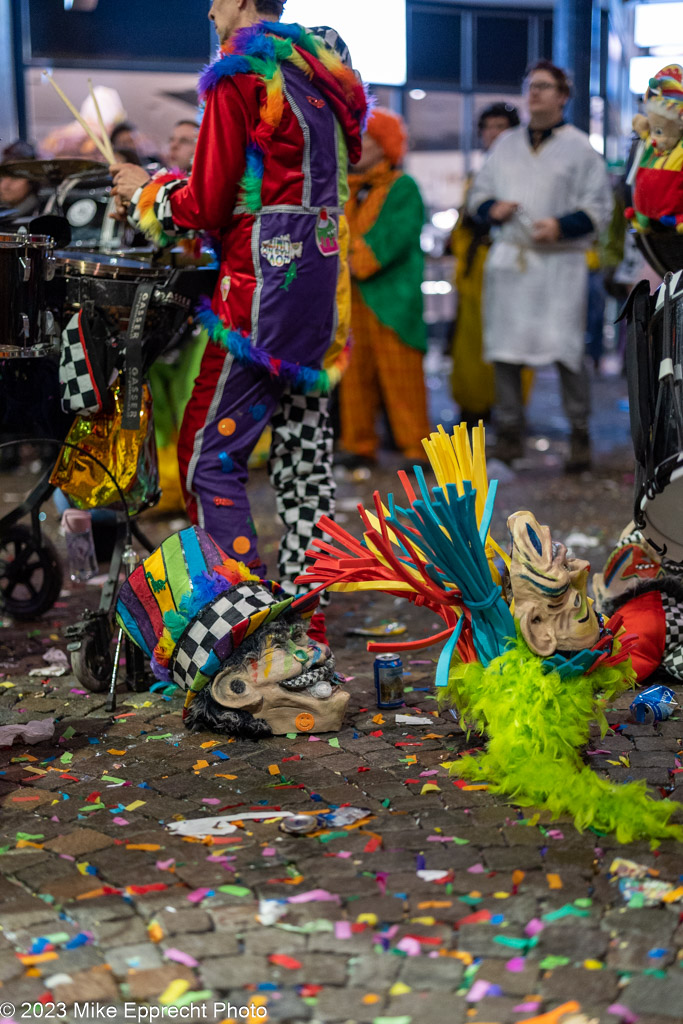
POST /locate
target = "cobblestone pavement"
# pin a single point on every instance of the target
(443, 905)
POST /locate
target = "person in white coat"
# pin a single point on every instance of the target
(546, 190)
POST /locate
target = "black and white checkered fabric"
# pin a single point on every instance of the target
(333, 41)
(78, 387)
(672, 662)
(300, 470)
(216, 619)
(162, 207)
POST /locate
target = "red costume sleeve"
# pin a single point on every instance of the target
(207, 201)
(644, 615)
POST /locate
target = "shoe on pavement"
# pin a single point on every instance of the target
(579, 452)
(508, 447)
(351, 461)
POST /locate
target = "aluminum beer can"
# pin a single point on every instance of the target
(653, 705)
(389, 681)
(300, 824)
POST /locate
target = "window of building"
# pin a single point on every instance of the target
(434, 35)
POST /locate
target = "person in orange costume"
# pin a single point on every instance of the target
(385, 214)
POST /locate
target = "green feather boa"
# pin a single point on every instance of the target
(536, 725)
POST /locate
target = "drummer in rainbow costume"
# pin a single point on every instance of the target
(283, 117)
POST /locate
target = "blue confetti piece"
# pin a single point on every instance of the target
(420, 862)
(267, 986)
(226, 462)
(657, 953)
(91, 739)
(38, 945)
(82, 939)
(221, 755)
(317, 797)
(497, 918)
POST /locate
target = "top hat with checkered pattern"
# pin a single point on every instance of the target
(189, 607)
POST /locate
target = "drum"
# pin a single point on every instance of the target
(86, 206)
(27, 327)
(655, 379)
(108, 283)
(99, 280)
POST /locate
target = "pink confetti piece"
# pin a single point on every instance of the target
(315, 896)
(516, 965)
(210, 800)
(120, 821)
(268, 851)
(164, 865)
(555, 833)
(381, 878)
(477, 869)
(411, 947)
(198, 895)
(342, 930)
(526, 1007)
(344, 854)
(314, 739)
(181, 958)
(478, 991)
(619, 1010)
(592, 753)
(534, 927)
(440, 839)
(431, 771)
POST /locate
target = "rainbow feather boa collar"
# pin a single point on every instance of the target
(260, 50)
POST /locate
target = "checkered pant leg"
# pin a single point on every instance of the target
(300, 470)
(672, 661)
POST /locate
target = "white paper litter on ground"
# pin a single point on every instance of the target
(410, 720)
(581, 540)
(27, 732)
(221, 826)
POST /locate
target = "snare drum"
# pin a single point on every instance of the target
(91, 280)
(27, 328)
(655, 372)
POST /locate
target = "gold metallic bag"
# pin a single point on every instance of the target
(129, 455)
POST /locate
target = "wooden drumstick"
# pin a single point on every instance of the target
(105, 135)
(84, 125)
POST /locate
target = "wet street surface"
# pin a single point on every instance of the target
(443, 904)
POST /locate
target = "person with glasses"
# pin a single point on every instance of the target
(546, 192)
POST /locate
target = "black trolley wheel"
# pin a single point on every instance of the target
(92, 664)
(31, 575)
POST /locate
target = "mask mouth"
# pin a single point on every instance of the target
(311, 682)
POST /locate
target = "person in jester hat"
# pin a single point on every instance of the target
(386, 214)
(527, 659)
(283, 117)
(236, 644)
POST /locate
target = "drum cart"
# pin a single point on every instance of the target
(30, 572)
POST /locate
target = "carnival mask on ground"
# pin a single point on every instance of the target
(235, 643)
(549, 590)
(278, 681)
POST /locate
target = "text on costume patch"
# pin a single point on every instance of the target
(282, 250)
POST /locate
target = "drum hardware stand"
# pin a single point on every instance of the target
(90, 645)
